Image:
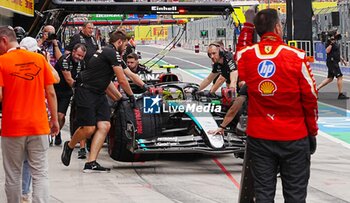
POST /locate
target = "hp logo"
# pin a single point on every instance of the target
(266, 68)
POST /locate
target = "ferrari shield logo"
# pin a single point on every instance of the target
(268, 49)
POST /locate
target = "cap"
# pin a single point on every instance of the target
(29, 43)
(20, 33)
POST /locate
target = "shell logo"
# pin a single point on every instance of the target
(267, 88)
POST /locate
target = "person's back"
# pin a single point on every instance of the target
(282, 112)
(25, 80)
(24, 76)
(275, 94)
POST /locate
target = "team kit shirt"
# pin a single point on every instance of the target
(23, 115)
(89, 41)
(99, 71)
(226, 68)
(282, 90)
(66, 63)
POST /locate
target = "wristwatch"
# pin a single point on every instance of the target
(220, 126)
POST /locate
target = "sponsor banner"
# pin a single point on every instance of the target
(320, 52)
(24, 7)
(104, 17)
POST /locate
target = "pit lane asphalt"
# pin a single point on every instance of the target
(184, 178)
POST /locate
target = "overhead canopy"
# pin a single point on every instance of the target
(165, 8)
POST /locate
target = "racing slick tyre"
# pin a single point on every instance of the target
(120, 137)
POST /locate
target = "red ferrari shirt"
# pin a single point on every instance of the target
(282, 94)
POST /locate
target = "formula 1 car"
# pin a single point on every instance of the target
(172, 117)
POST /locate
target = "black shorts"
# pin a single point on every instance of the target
(91, 107)
(333, 69)
(63, 100)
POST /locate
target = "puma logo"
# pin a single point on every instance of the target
(271, 116)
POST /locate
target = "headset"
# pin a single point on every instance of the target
(221, 51)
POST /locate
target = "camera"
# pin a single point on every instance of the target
(51, 36)
(328, 36)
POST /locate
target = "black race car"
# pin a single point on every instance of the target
(172, 117)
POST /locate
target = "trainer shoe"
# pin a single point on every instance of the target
(66, 154)
(342, 96)
(82, 153)
(58, 139)
(94, 167)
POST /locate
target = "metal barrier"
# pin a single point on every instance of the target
(345, 50)
(302, 44)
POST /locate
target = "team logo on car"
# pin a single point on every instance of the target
(267, 88)
(266, 68)
(151, 105)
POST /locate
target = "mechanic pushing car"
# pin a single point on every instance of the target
(133, 75)
(93, 112)
(223, 67)
(68, 67)
(282, 111)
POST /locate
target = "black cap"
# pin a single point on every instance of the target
(20, 33)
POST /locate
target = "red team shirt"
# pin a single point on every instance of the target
(281, 88)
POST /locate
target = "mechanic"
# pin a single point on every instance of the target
(130, 48)
(132, 75)
(133, 64)
(282, 96)
(332, 62)
(26, 78)
(93, 112)
(68, 66)
(244, 39)
(84, 37)
(223, 66)
(232, 112)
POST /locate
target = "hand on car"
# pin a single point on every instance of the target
(146, 87)
(219, 131)
(132, 101)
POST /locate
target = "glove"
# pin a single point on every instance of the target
(313, 144)
(146, 87)
(250, 14)
(212, 95)
(132, 101)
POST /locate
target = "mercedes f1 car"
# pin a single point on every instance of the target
(172, 117)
